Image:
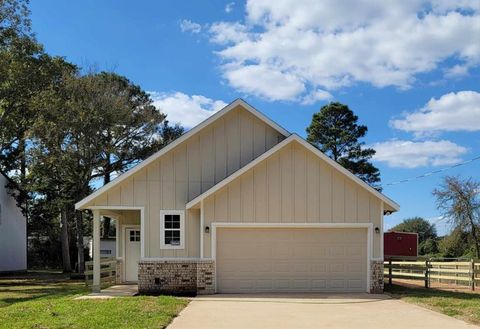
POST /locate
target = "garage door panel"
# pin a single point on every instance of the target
(353, 251)
(299, 284)
(356, 267)
(279, 284)
(319, 268)
(302, 253)
(337, 268)
(282, 251)
(319, 284)
(281, 267)
(355, 284)
(336, 251)
(281, 259)
(301, 268)
(352, 235)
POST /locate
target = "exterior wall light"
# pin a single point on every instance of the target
(207, 229)
(377, 230)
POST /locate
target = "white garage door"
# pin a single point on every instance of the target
(291, 260)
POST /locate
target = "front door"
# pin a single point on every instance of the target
(132, 254)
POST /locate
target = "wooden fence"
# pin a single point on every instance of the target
(107, 271)
(463, 273)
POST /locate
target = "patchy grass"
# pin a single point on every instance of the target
(46, 300)
(461, 305)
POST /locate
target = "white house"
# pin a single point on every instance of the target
(13, 232)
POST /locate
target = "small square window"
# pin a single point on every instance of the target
(134, 236)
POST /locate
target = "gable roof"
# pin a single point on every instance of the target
(181, 139)
(294, 137)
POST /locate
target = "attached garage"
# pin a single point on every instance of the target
(291, 259)
(293, 220)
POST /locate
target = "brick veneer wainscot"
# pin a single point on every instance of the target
(376, 277)
(176, 277)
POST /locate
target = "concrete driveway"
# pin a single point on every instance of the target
(333, 311)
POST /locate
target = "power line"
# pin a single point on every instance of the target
(430, 173)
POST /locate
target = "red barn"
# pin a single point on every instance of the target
(400, 245)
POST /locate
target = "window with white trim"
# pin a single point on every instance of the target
(172, 229)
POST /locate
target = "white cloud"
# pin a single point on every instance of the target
(315, 96)
(330, 44)
(189, 26)
(185, 109)
(224, 33)
(456, 71)
(409, 154)
(451, 112)
(262, 81)
(229, 7)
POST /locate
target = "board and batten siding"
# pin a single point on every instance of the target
(293, 185)
(188, 170)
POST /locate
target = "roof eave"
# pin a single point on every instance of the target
(83, 204)
(193, 204)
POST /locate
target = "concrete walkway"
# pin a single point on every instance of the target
(123, 290)
(333, 311)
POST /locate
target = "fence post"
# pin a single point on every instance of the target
(390, 272)
(472, 270)
(456, 274)
(426, 274)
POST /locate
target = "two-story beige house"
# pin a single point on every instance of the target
(238, 204)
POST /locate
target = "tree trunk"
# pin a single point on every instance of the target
(106, 226)
(23, 161)
(474, 236)
(23, 174)
(106, 179)
(80, 247)
(67, 265)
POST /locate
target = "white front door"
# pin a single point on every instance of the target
(132, 253)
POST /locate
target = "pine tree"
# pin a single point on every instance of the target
(335, 131)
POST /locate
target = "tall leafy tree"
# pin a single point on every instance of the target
(60, 131)
(19, 53)
(336, 132)
(25, 71)
(132, 127)
(459, 201)
(14, 21)
(89, 127)
(455, 245)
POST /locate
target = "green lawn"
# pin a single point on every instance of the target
(461, 305)
(46, 300)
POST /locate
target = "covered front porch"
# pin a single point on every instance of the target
(129, 243)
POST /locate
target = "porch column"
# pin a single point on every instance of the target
(96, 251)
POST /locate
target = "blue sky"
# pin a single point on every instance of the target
(409, 70)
